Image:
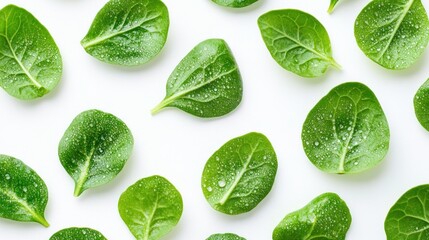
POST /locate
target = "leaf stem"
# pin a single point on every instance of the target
(164, 103)
(335, 64)
(40, 219)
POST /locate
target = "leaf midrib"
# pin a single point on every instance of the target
(239, 176)
(84, 171)
(395, 30)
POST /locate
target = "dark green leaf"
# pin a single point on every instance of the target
(94, 149)
(225, 236)
(409, 218)
(327, 217)
(297, 41)
(346, 132)
(239, 175)
(421, 105)
(393, 33)
(30, 62)
(23, 194)
(151, 208)
(128, 32)
(234, 3)
(206, 83)
(78, 234)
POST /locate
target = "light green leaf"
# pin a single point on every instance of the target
(23, 194)
(30, 62)
(234, 3)
(421, 105)
(239, 175)
(409, 217)
(393, 33)
(128, 32)
(225, 236)
(332, 5)
(151, 208)
(94, 149)
(206, 83)
(297, 41)
(327, 217)
(78, 234)
(346, 132)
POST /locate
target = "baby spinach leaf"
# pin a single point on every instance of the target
(94, 149)
(393, 33)
(78, 234)
(347, 131)
(151, 208)
(206, 83)
(225, 236)
(421, 105)
(409, 217)
(325, 217)
(239, 175)
(297, 41)
(332, 5)
(23, 194)
(30, 62)
(128, 32)
(234, 3)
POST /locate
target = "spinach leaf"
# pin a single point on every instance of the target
(94, 149)
(239, 175)
(23, 194)
(206, 83)
(235, 3)
(325, 217)
(409, 218)
(421, 105)
(128, 32)
(78, 234)
(151, 208)
(332, 5)
(30, 62)
(347, 131)
(393, 33)
(225, 236)
(297, 41)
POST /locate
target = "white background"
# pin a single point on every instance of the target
(177, 145)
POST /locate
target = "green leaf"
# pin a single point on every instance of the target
(239, 175)
(78, 234)
(297, 41)
(94, 149)
(347, 131)
(393, 33)
(30, 62)
(151, 208)
(327, 217)
(206, 83)
(332, 5)
(234, 3)
(23, 194)
(421, 105)
(409, 217)
(128, 32)
(225, 236)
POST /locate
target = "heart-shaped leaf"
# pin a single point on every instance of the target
(128, 32)
(409, 216)
(393, 33)
(297, 41)
(151, 208)
(206, 83)
(94, 149)
(78, 234)
(23, 194)
(326, 217)
(347, 131)
(239, 175)
(30, 62)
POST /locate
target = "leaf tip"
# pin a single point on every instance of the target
(42, 221)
